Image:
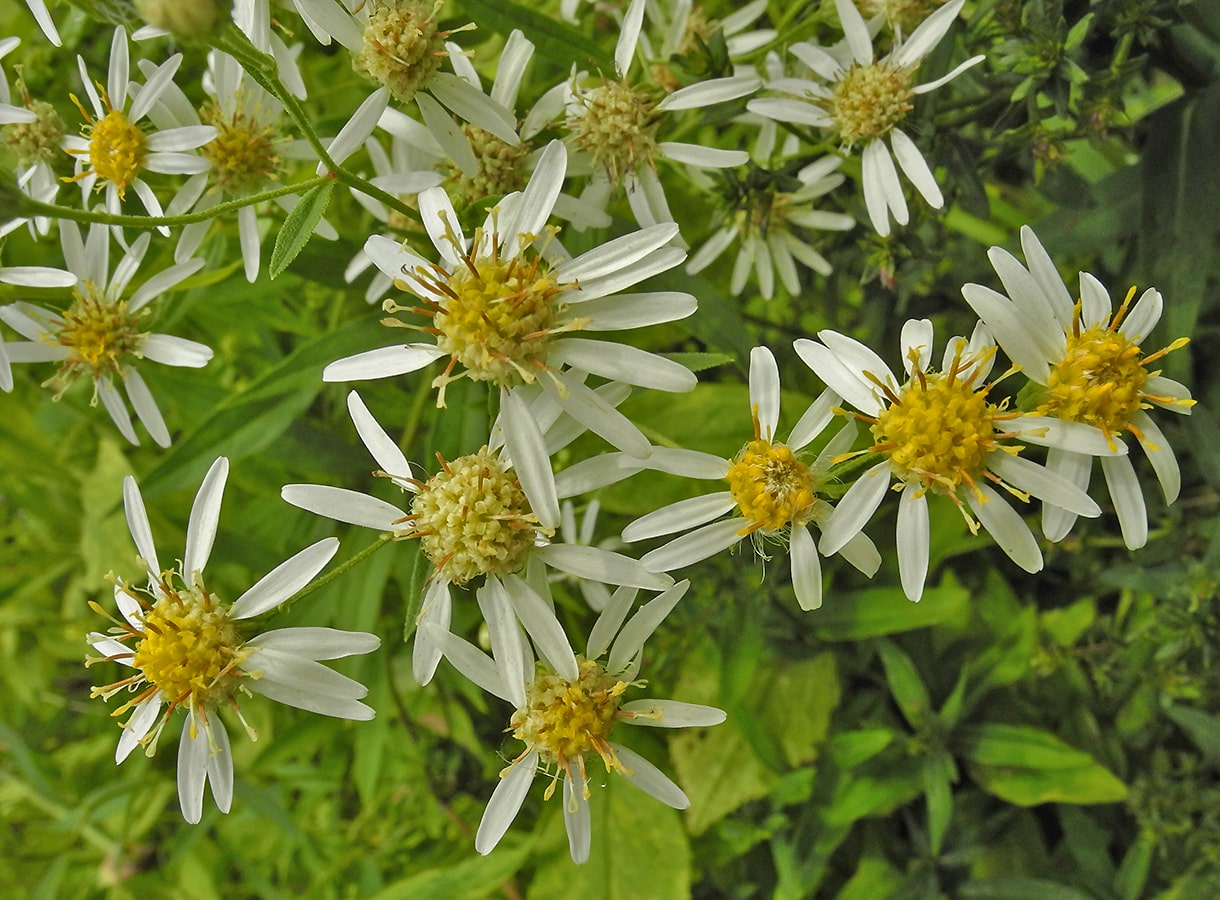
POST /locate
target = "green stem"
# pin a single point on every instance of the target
(262, 69)
(37, 207)
(382, 540)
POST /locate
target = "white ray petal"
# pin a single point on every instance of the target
(505, 802)
(649, 779)
(205, 517)
(1007, 527)
(343, 505)
(285, 580)
(855, 508)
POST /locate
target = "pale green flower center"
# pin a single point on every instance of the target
(618, 128)
(565, 721)
(242, 154)
(36, 141)
(472, 518)
(402, 46)
(501, 167)
(870, 100)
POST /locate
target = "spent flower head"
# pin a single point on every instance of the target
(189, 650)
(480, 518)
(1088, 365)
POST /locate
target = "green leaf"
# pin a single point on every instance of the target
(1202, 729)
(1132, 873)
(811, 686)
(906, 687)
(860, 796)
(1028, 766)
(638, 849)
(556, 40)
(471, 879)
(880, 611)
(939, 773)
(298, 227)
(849, 749)
(1019, 889)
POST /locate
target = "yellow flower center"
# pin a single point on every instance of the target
(564, 721)
(869, 100)
(242, 154)
(939, 428)
(402, 46)
(501, 167)
(190, 648)
(1101, 378)
(773, 488)
(617, 127)
(495, 317)
(472, 518)
(101, 336)
(117, 149)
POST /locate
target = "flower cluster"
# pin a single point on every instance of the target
(497, 241)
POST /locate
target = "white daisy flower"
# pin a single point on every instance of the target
(864, 101)
(567, 707)
(768, 222)
(498, 307)
(34, 131)
(1090, 368)
(471, 163)
(939, 432)
(483, 516)
(244, 157)
(115, 150)
(772, 495)
(187, 649)
(616, 126)
(685, 24)
(101, 334)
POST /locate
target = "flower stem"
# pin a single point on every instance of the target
(382, 540)
(37, 207)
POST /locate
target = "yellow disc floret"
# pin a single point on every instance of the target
(184, 648)
(117, 147)
(617, 126)
(101, 336)
(473, 519)
(242, 154)
(494, 317)
(1101, 377)
(403, 48)
(565, 721)
(190, 648)
(773, 488)
(870, 100)
(501, 167)
(939, 428)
